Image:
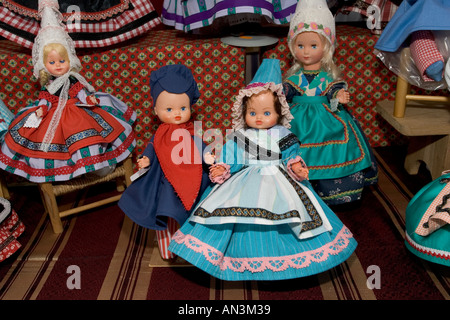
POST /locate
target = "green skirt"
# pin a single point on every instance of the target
(332, 143)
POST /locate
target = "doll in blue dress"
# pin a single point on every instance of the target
(262, 220)
(6, 116)
(427, 221)
(171, 181)
(338, 155)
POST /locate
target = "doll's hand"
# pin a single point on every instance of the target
(92, 100)
(39, 112)
(343, 96)
(216, 171)
(209, 158)
(300, 170)
(143, 162)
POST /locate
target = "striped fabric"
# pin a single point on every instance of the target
(164, 237)
(140, 18)
(196, 14)
(119, 260)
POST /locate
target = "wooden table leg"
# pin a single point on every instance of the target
(432, 150)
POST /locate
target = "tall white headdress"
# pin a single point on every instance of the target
(315, 16)
(52, 31)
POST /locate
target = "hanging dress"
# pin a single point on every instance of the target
(193, 15)
(427, 222)
(87, 138)
(262, 224)
(338, 155)
(91, 24)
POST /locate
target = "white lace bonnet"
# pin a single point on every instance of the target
(267, 77)
(52, 31)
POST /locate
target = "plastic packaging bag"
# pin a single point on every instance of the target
(401, 63)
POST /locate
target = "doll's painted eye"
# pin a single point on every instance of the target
(169, 109)
(267, 113)
(252, 113)
(62, 61)
(183, 108)
(314, 46)
(300, 46)
(52, 62)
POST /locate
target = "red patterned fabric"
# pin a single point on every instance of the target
(185, 177)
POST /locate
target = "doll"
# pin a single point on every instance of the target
(262, 220)
(11, 227)
(91, 23)
(424, 28)
(427, 221)
(6, 117)
(71, 129)
(338, 155)
(163, 197)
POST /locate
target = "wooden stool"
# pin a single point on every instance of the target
(428, 127)
(50, 192)
(402, 92)
(4, 193)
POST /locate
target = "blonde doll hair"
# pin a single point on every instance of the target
(327, 62)
(44, 76)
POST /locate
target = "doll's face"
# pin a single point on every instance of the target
(56, 64)
(308, 49)
(260, 113)
(173, 107)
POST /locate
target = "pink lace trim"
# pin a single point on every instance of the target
(296, 261)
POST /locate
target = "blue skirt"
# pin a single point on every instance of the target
(239, 251)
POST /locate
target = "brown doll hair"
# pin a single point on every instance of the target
(276, 102)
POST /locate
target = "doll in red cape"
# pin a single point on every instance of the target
(163, 197)
(71, 129)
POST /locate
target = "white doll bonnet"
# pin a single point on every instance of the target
(268, 77)
(52, 31)
(315, 16)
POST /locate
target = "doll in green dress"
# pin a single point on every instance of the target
(338, 155)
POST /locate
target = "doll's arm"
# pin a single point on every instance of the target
(92, 100)
(230, 161)
(343, 96)
(338, 94)
(143, 162)
(87, 99)
(219, 173)
(44, 106)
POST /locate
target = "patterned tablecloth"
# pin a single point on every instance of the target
(368, 79)
(124, 71)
